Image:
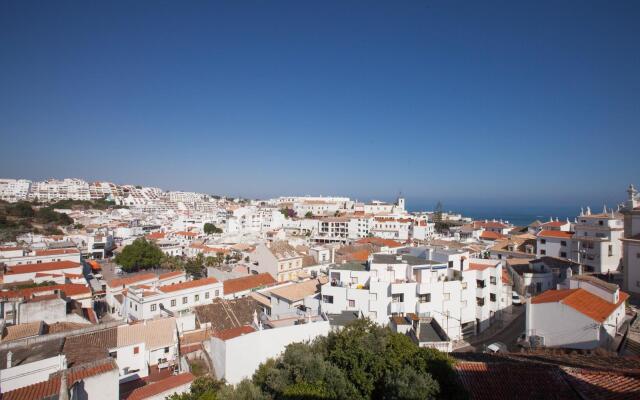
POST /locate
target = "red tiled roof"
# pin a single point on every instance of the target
(161, 386)
(379, 242)
(55, 252)
(489, 235)
(130, 280)
(581, 300)
(247, 283)
(480, 267)
(511, 381)
(155, 235)
(603, 385)
(168, 275)
(69, 289)
(187, 285)
(10, 248)
(188, 234)
(233, 332)
(51, 387)
(50, 266)
(555, 234)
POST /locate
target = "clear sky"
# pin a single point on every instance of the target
(490, 102)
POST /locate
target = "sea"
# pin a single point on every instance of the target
(517, 215)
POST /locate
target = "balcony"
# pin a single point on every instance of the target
(423, 308)
(397, 308)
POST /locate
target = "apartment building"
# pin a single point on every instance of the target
(20, 256)
(54, 190)
(143, 302)
(554, 243)
(391, 228)
(29, 272)
(464, 297)
(597, 241)
(13, 190)
(279, 259)
(631, 241)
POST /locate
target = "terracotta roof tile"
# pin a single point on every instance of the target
(114, 283)
(512, 381)
(603, 385)
(69, 289)
(50, 266)
(161, 386)
(55, 252)
(187, 285)
(379, 242)
(581, 300)
(51, 387)
(233, 332)
(247, 282)
(555, 234)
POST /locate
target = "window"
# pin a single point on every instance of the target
(446, 296)
(166, 350)
(637, 255)
(563, 243)
(217, 293)
(136, 350)
(543, 241)
(352, 303)
(563, 254)
(600, 223)
(610, 250)
(206, 295)
(492, 297)
(327, 299)
(173, 303)
(196, 297)
(153, 307)
(492, 280)
(543, 252)
(397, 298)
(136, 307)
(184, 300)
(425, 298)
(538, 287)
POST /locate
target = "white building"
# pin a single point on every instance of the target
(463, 296)
(585, 316)
(143, 302)
(631, 242)
(554, 243)
(597, 242)
(28, 272)
(236, 353)
(25, 257)
(13, 190)
(54, 190)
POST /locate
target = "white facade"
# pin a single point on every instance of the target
(585, 316)
(13, 190)
(429, 283)
(237, 358)
(18, 376)
(631, 241)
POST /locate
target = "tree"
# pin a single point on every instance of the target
(210, 228)
(141, 254)
(407, 383)
(309, 214)
(173, 263)
(194, 266)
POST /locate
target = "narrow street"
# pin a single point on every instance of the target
(507, 335)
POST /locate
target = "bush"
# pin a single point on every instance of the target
(140, 254)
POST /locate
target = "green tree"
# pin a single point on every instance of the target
(141, 254)
(407, 383)
(210, 228)
(195, 265)
(309, 214)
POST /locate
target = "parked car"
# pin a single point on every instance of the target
(496, 347)
(516, 300)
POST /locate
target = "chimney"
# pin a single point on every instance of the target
(9, 358)
(64, 393)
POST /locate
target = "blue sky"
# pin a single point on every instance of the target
(477, 102)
